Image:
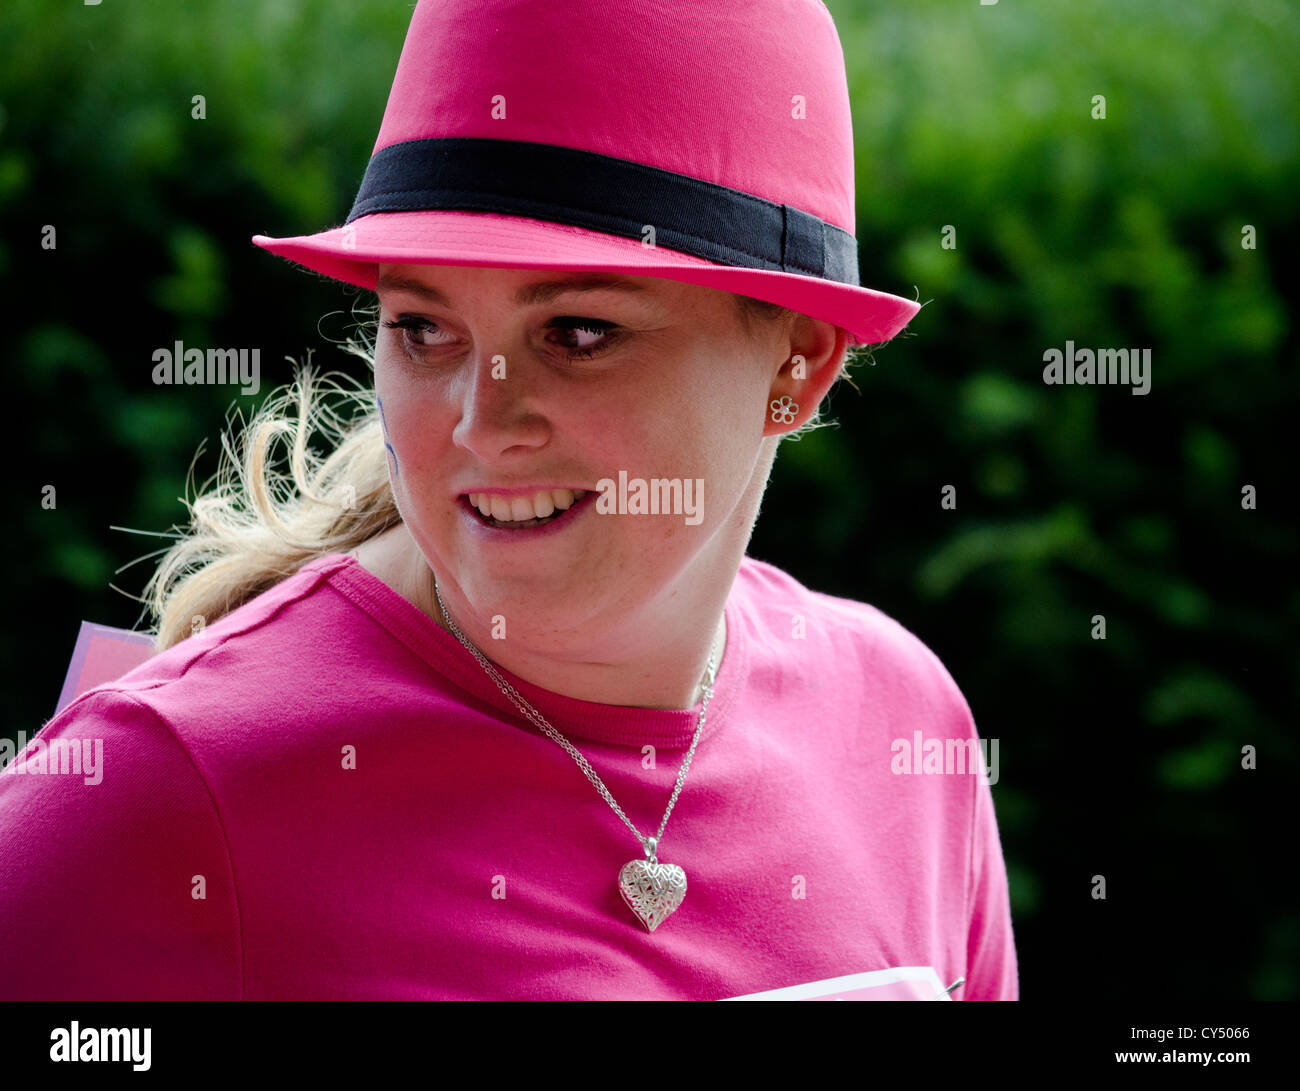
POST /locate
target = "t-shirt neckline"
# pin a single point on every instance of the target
(620, 725)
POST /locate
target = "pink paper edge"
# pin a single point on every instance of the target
(85, 634)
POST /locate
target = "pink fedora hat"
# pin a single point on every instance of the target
(704, 141)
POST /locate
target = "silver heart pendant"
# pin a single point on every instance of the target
(653, 891)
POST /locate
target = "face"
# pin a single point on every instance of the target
(525, 394)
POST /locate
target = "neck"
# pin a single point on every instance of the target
(655, 657)
(618, 666)
(651, 654)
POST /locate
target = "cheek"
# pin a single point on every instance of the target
(402, 410)
(721, 425)
(394, 467)
(404, 398)
(716, 402)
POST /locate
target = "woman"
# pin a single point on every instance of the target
(418, 730)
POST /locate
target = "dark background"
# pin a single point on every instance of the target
(1119, 757)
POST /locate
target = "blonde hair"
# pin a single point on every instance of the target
(256, 525)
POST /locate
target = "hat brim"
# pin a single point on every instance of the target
(353, 253)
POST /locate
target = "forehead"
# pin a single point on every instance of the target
(525, 286)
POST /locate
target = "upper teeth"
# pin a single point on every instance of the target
(517, 509)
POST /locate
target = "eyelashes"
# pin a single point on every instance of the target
(410, 325)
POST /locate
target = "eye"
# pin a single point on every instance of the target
(587, 328)
(591, 336)
(411, 327)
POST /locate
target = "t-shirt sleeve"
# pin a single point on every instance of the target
(115, 877)
(991, 969)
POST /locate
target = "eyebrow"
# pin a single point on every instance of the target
(541, 291)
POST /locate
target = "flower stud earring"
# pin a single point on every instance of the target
(784, 410)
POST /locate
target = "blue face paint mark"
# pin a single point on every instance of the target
(392, 455)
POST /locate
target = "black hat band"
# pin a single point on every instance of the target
(606, 194)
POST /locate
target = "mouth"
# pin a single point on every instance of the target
(522, 512)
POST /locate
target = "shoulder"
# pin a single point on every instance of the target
(849, 639)
(248, 673)
(113, 852)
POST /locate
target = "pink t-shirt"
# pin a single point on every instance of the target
(323, 795)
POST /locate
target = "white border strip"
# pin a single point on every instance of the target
(850, 982)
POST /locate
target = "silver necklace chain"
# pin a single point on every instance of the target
(649, 844)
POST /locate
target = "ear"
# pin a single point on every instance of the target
(815, 356)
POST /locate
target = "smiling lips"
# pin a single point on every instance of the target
(528, 509)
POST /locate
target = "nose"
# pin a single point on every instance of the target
(499, 410)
